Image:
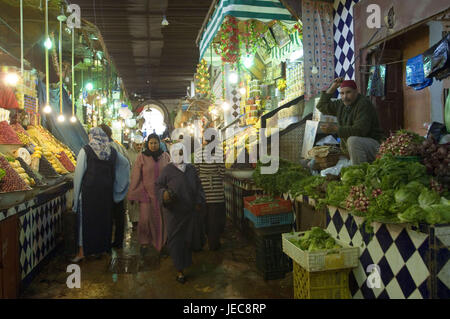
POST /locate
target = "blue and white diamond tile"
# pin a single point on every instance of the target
(406, 281)
(375, 251)
(382, 236)
(418, 269)
(405, 244)
(395, 259)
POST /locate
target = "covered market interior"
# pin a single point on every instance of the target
(331, 122)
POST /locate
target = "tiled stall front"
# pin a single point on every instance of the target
(413, 263)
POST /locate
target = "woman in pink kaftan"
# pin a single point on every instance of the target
(145, 172)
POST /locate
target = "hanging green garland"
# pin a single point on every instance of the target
(202, 86)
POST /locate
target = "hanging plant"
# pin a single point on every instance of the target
(202, 86)
(228, 46)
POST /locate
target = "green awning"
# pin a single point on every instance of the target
(261, 10)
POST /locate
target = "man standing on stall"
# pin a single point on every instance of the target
(358, 125)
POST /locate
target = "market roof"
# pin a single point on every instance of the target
(154, 61)
(263, 10)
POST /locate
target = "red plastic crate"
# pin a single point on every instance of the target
(278, 206)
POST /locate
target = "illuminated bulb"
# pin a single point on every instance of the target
(12, 79)
(47, 109)
(89, 86)
(225, 106)
(314, 70)
(248, 61)
(48, 43)
(61, 118)
(242, 91)
(233, 77)
(127, 131)
(213, 112)
(104, 100)
(73, 119)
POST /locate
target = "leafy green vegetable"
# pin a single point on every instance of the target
(413, 214)
(445, 201)
(315, 239)
(428, 197)
(2, 173)
(435, 214)
(404, 195)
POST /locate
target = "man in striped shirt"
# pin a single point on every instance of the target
(211, 170)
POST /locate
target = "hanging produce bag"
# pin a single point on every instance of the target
(415, 75)
(436, 60)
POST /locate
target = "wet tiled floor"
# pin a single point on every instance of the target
(228, 273)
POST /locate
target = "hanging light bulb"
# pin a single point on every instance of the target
(89, 86)
(242, 90)
(73, 119)
(11, 79)
(47, 109)
(48, 43)
(164, 22)
(61, 118)
(233, 77)
(248, 61)
(314, 70)
(225, 106)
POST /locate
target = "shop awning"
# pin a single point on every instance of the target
(262, 10)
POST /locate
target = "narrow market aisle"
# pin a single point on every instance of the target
(228, 273)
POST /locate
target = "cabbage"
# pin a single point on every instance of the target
(433, 214)
(413, 214)
(445, 201)
(428, 197)
(415, 186)
(404, 195)
(353, 176)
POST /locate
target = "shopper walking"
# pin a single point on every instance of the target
(180, 191)
(133, 152)
(101, 179)
(211, 170)
(146, 170)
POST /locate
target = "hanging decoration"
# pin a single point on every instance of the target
(228, 46)
(250, 40)
(202, 85)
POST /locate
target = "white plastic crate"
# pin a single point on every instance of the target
(346, 257)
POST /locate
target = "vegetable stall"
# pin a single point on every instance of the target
(395, 210)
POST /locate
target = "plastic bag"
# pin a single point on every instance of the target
(336, 170)
(436, 60)
(415, 75)
(437, 130)
(327, 140)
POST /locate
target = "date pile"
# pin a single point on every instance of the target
(21, 134)
(46, 169)
(11, 181)
(7, 134)
(65, 161)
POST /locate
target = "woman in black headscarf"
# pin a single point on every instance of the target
(145, 172)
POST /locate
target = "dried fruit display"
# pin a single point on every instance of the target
(15, 164)
(65, 161)
(21, 134)
(30, 172)
(8, 135)
(11, 181)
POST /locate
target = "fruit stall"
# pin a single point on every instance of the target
(36, 181)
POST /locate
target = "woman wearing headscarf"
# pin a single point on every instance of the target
(180, 191)
(146, 170)
(134, 151)
(101, 179)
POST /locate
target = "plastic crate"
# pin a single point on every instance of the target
(269, 220)
(321, 285)
(346, 257)
(271, 262)
(278, 206)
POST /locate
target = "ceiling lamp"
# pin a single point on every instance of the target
(248, 61)
(89, 86)
(73, 119)
(61, 118)
(48, 43)
(225, 106)
(11, 79)
(233, 77)
(164, 22)
(47, 109)
(242, 90)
